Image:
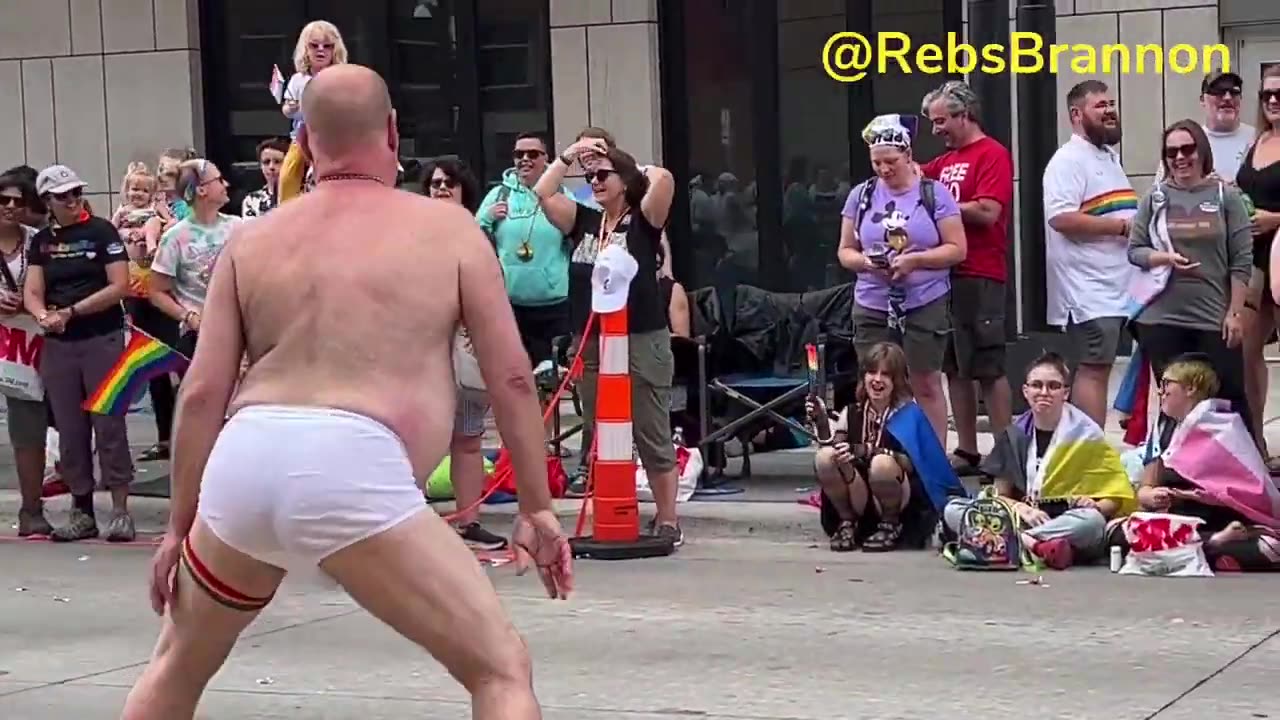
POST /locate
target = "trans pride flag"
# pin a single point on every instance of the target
(1213, 451)
(143, 359)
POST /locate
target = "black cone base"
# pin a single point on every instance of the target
(645, 546)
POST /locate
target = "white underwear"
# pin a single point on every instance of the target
(290, 486)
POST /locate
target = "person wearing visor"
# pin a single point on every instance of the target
(77, 276)
(901, 234)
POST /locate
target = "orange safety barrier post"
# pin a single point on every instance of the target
(614, 507)
(612, 481)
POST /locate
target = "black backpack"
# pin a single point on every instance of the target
(927, 199)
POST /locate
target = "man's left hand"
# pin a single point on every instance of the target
(163, 565)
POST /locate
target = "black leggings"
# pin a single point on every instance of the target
(1163, 343)
(165, 329)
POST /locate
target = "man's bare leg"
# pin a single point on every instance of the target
(466, 474)
(420, 579)
(964, 408)
(999, 399)
(198, 632)
(1089, 391)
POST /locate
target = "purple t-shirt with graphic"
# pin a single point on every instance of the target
(890, 210)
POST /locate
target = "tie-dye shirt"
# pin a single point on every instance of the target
(187, 253)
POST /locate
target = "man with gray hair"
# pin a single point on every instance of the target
(978, 171)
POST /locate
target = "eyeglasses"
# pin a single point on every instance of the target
(219, 178)
(1050, 385)
(11, 201)
(527, 154)
(1269, 95)
(64, 197)
(1173, 152)
(601, 174)
(442, 183)
(320, 45)
(1220, 92)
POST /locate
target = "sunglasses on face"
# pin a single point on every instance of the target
(443, 183)
(1221, 92)
(527, 154)
(1269, 95)
(13, 202)
(1173, 152)
(64, 197)
(601, 174)
(320, 45)
(1050, 385)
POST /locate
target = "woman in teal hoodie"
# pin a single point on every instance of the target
(534, 255)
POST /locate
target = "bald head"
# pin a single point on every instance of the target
(346, 107)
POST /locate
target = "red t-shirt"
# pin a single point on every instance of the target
(981, 169)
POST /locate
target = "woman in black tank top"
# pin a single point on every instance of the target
(1259, 179)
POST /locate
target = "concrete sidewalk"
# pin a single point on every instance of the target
(724, 630)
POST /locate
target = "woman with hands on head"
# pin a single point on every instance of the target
(634, 208)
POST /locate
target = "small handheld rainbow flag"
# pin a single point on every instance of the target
(143, 359)
(811, 354)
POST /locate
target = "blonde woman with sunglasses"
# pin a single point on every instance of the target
(319, 46)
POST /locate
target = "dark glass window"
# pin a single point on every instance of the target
(769, 143)
(513, 67)
(466, 76)
(720, 166)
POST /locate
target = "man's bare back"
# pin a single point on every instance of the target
(345, 302)
(350, 300)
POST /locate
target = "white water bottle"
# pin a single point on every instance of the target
(678, 436)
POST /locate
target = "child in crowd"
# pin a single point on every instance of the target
(319, 46)
(167, 184)
(140, 203)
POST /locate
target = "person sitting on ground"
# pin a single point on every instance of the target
(884, 475)
(1220, 477)
(1053, 462)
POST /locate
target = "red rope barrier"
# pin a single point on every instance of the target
(500, 475)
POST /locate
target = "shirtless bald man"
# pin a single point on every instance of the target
(346, 301)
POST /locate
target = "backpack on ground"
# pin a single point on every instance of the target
(989, 537)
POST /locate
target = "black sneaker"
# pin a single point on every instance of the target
(667, 532)
(477, 538)
(159, 451)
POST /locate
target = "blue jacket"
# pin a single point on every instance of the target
(542, 279)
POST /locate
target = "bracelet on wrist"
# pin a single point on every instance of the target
(568, 162)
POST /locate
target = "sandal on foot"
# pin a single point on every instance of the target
(884, 539)
(844, 539)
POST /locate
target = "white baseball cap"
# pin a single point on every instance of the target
(57, 179)
(611, 279)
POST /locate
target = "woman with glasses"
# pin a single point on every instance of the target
(1192, 231)
(1220, 478)
(27, 419)
(319, 46)
(1259, 179)
(902, 234)
(451, 180)
(77, 276)
(183, 264)
(531, 249)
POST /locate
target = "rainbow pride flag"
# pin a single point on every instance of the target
(143, 359)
